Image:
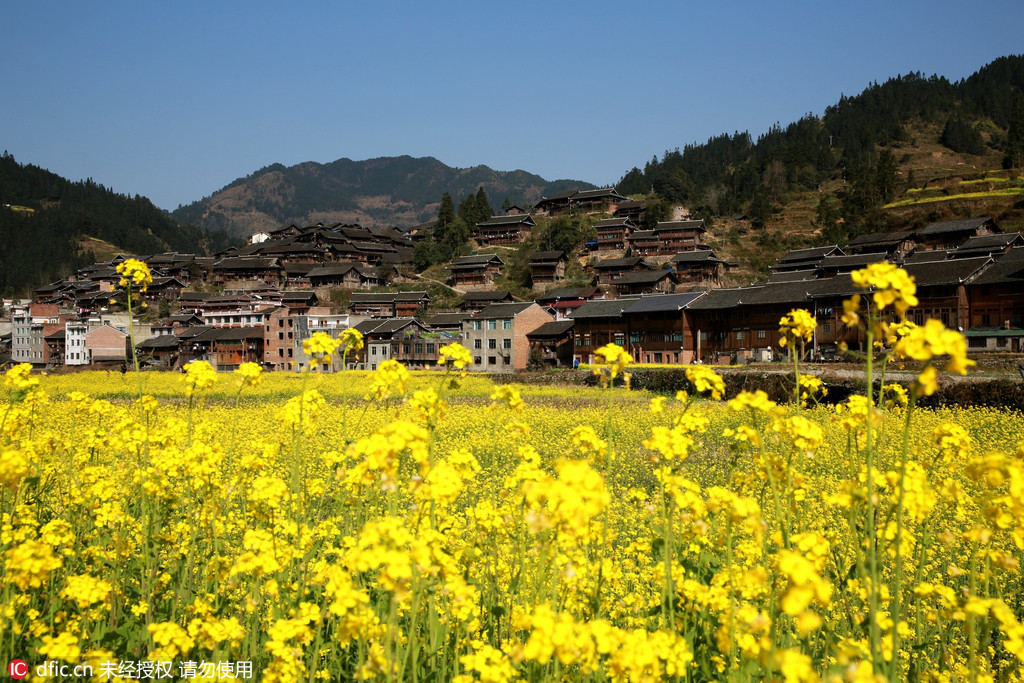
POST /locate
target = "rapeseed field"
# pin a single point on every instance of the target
(440, 527)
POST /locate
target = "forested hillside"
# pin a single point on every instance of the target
(387, 191)
(856, 157)
(44, 218)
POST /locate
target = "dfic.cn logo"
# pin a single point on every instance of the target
(17, 668)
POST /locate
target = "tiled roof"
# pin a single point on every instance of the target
(614, 223)
(614, 263)
(951, 272)
(724, 298)
(664, 302)
(487, 295)
(551, 330)
(811, 253)
(386, 297)
(568, 293)
(678, 225)
(699, 256)
(545, 256)
(881, 238)
(499, 221)
(603, 308)
(947, 227)
(504, 310)
(642, 277)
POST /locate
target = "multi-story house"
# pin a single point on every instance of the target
(497, 335)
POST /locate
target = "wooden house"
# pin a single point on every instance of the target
(699, 267)
(476, 270)
(646, 282)
(607, 270)
(952, 234)
(677, 236)
(562, 302)
(547, 267)
(597, 323)
(504, 230)
(389, 304)
(612, 234)
(551, 344)
(633, 210)
(660, 328)
(474, 302)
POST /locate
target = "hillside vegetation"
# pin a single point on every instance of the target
(49, 226)
(861, 167)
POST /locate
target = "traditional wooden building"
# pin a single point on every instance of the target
(698, 267)
(504, 230)
(645, 282)
(660, 328)
(996, 301)
(476, 301)
(551, 344)
(389, 304)
(612, 234)
(677, 236)
(895, 246)
(633, 210)
(607, 270)
(805, 259)
(344, 275)
(476, 270)
(597, 323)
(547, 267)
(952, 234)
(247, 268)
(562, 302)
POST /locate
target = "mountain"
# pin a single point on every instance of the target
(48, 226)
(387, 191)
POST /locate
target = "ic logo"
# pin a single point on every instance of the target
(17, 668)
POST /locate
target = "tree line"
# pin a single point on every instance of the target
(43, 217)
(733, 174)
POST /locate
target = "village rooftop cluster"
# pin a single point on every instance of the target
(657, 293)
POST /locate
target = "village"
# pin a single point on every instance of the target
(656, 292)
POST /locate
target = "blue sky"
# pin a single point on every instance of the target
(174, 100)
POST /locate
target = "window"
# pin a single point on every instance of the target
(703, 336)
(492, 324)
(739, 335)
(506, 324)
(289, 353)
(476, 360)
(478, 344)
(506, 343)
(491, 360)
(373, 350)
(419, 348)
(405, 349)
(492, 343)
(280, 336)
(761, 334)
(476, 324)
(430, 348)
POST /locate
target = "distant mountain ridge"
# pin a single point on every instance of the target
(385, 191)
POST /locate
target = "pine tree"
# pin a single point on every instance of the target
(1015, 135)
(483, 207)
(506, 205)
(446, 214)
